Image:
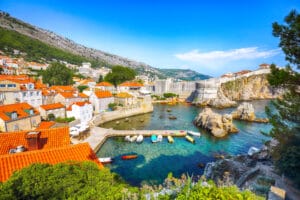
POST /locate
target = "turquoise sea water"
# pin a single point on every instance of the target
(155, 161)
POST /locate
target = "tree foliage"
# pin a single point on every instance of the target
(170, 95)
(82, 87)
(100, 79)
(65, 181)
(285, 117)
(120, 74)
(289, 35)
(58, 74)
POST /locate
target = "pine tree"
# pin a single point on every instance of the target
(284, 113)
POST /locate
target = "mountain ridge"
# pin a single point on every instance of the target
(63, 43)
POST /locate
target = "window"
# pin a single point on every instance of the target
(11, 85)
(34, 123)
(14, 115)
(16, 127)
(24, 94)
(2, 85)
(31, 112)
(31, 94)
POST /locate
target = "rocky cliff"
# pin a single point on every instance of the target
(249, 88)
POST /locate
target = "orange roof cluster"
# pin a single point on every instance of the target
(78, 104)
(50, 138)
(22, 110)
(63, 88)
(12, 162)
(52, 106)
(104, 84)
(124, 95)
(69, 95)
(45, 125)
(39, 85)
(242, 72)
(103, 94)
(131, 84)
(21, 79)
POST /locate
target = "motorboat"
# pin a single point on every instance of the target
(129, 157)
(190, 139)
(106, 160)
(194, 133)
(253, 150)
(140, 139)
(127, 138)
(159, 138)
(170, 139)
(133, 138)
(154, 138)
(172, 117)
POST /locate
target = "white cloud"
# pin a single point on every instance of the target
(211, 57)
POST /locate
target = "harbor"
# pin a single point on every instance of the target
(99, 135)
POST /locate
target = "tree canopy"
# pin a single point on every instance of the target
(120, 74)
(58, 74)
(65, 181)
(285, 118)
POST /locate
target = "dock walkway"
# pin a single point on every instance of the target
(99, 135)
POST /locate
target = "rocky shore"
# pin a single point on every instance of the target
(218, 125)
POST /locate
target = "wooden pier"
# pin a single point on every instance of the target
(99, 135)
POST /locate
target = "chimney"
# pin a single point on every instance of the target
(33, 140)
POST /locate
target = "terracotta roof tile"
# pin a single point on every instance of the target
(63, 88)
(103, 94)
(50, 138)
(45, 125)
(124, 95)
(22, 110)
(131, 84)
(52, 106)
(104, 84)
(83, 103)
(12, 162)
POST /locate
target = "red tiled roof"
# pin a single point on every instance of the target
(19, 108)
(52, 106)
(62, 88)
(78, 104)
(50, 138)
(69, 95)
(103, 94)
(45, 125)
(131, 84)
(124, 95)
(12, 162)
(105, 84)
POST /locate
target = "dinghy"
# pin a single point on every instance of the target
(140, 139)
(194, 133)
(133, 138)
(106, 160)
(170, 139)
(190, 139)
(129, 157)
(154, 138)
(159, 138)
(127, 138)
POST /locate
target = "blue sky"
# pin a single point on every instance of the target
(211, 37)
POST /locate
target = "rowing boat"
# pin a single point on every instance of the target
(190, 139)
(170, 139)
(129, 157)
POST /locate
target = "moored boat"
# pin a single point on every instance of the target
(190, 139)
(170, 139)
(129, 157)
(154, 138)
(140, 139)
(159, 138)
(127, 138)
(194, 133)
(133, 138)
(106, 160)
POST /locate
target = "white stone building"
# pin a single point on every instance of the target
(81, 110)
(101, 100)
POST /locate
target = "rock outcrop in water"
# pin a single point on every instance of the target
(245, 112)
(218, 125)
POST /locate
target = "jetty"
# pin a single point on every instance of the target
(99, 135)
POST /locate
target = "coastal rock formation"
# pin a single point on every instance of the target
(221, 101)
(249, 88)
(218, 125)
(245, 111)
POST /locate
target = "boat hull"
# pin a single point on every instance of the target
(190, 139)
(129, 157)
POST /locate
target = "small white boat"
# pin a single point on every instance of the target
(170, 139)
(159, 138)
(133, 138)
(127, 138)
(140, 139)
(194, 133)
(190, 139)
(253, 150)
(106, 160)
